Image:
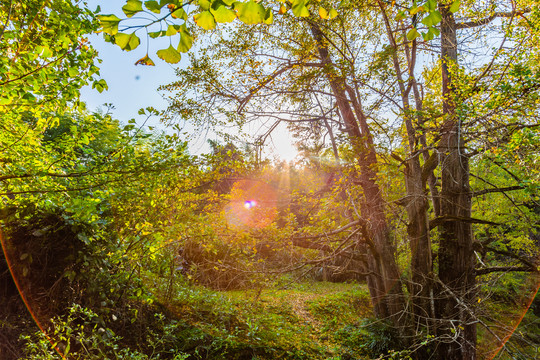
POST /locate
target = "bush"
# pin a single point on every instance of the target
(83, 335)
(371, 338)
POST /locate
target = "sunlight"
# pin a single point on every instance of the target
(257, 212)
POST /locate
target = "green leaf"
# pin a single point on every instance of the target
(250, 12)
(132, 7)
(172, 30)
(427, 36)
(205, 20)
(455, 6)
(170, 55)
(145, 61)
(109, 24)
(401, 15)
(186, 41)
(299, 8)
(269, 16)
(435, 31)
(432, 19)
(179, 13)
(153, 6)
(412, 34)
(204, 4)
(127, 42)
(333, 13)
(157, 34)
(43, 51)
(100, 85)
(223, 15)
(430, 5)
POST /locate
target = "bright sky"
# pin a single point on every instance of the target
(133, 87)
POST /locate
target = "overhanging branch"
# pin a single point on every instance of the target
(487, 20)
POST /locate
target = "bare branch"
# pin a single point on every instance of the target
(487, 20)
(488, 270)
(496, 190)
(442, 219)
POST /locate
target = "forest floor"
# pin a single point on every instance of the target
(315, 320)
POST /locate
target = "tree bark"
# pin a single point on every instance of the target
(384, 280)
(416, 195)
(456, 255)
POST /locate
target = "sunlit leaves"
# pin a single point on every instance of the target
(145, 61)
(153, 6)
(206, 14)
(432, 19)
(250, 12)
(109, 23)
(429, 15)
(431, 33)
(127, 42)
(205, 20)
(156, 34)
(186, 40)
(179, 13)
(455, 6)
(269, 17)
(170, 55)
(204, 4)
(332, 13)
(412, 34)
(323, 13)
(172, 30)
(43, 51)
(222, 14)
(299, 8)
(100, 85)
(132, 7)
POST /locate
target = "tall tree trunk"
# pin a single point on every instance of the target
(456, 256)
(384, 281)
(416, 203)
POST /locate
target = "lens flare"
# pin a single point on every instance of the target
(8, 251)
(259, 211)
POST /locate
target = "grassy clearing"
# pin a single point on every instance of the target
(301, 322)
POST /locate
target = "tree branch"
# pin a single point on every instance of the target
(442, 219)
(334, 232)
(488, 270)
(487, 20)
(495, 190)
(512, 255)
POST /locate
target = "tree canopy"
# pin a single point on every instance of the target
(417, 181)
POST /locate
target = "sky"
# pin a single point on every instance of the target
(133, 87)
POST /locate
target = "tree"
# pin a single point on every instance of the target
(448, 112)
(45, 61)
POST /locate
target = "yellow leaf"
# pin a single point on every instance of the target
(323, 13)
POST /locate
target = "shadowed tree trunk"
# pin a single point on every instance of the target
(415, 201)
(456, 255)
(384, 279)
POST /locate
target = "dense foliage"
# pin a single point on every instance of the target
(417, 183)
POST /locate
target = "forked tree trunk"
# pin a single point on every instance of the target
(456, 256)
(415, 202)
(384, 280)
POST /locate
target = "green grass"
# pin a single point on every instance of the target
(300, 322)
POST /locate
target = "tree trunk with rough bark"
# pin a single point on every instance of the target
(457, 329)
(384, 280)
(415, 203)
